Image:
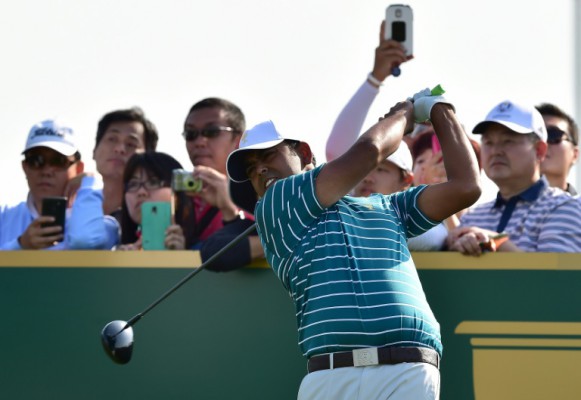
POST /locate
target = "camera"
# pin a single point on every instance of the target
(184, 181)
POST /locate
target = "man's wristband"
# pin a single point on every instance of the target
(373, 80)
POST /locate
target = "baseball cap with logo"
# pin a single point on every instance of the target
(402, 157)
(262, 136)
(518, 118)
(52, 134)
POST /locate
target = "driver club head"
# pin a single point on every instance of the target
(117, 341)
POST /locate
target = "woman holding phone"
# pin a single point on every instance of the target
(147, 178)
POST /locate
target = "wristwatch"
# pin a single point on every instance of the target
(239, 216)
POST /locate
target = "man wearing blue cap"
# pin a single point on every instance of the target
(51, 161)
(528, 214)
(363, 320)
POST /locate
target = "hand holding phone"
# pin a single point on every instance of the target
(399, 26)
(55, 207)
(155, 219)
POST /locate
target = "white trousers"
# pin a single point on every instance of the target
(404, 381)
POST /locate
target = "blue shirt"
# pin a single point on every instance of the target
(347, 267)
(542, 219)
(85, 228)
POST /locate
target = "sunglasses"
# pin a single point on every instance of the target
(210, 132)
(149, 185)
(556, 136)
(38, 161)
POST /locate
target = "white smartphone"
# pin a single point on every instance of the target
(399, 24)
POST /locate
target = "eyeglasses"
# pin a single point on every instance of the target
(38, 161)
(210, 132)
(556, 136)
(149, 185)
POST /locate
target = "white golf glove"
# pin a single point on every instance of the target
(424, 100)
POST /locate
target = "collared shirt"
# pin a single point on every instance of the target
(347, 267)
(543, 219)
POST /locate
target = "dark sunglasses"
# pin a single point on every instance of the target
(38, 161)
(556, 136)
(210, 132)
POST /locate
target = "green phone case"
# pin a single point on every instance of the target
(155, 219)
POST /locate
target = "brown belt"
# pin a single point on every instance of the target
(374, 356)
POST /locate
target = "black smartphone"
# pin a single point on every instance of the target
(55, 207)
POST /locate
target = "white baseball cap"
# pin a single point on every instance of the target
(54, 135)
(402, 157)
(262, 136)
(518, 118)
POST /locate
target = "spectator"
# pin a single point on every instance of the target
(348, 125)
(51, 162)
(563, 150)
(148, 177)
(534, 216)
(394, 174)
(429, 169)
(120, 134)
(212, 130)
(345, 261)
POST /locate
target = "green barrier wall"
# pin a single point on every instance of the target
(511, 327)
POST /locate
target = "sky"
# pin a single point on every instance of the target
(296, 62)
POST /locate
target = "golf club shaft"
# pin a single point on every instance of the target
(234, 241)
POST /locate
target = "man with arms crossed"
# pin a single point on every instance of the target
(363, 319)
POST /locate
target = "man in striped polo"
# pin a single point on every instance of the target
(363, 319)
(528, 214)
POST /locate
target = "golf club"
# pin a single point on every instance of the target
(117, 336)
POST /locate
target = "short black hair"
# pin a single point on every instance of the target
(134, 114)
(548, 109)
(234, 114)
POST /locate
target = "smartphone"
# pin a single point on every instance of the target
(155, 219)
(399, 23)
(55, 207)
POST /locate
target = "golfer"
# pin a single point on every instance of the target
(363, 320)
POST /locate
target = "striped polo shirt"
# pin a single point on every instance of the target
(544, 219)
(347, 267)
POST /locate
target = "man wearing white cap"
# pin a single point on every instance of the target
(51, 161)
(393, 174)
(528, 214)
(363, 319)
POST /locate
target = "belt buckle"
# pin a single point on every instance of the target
(365, 357)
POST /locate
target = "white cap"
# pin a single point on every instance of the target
(262, 136)
(516, 117)
(51, 134)
(402, 157)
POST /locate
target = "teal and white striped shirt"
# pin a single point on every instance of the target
(347, 267)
